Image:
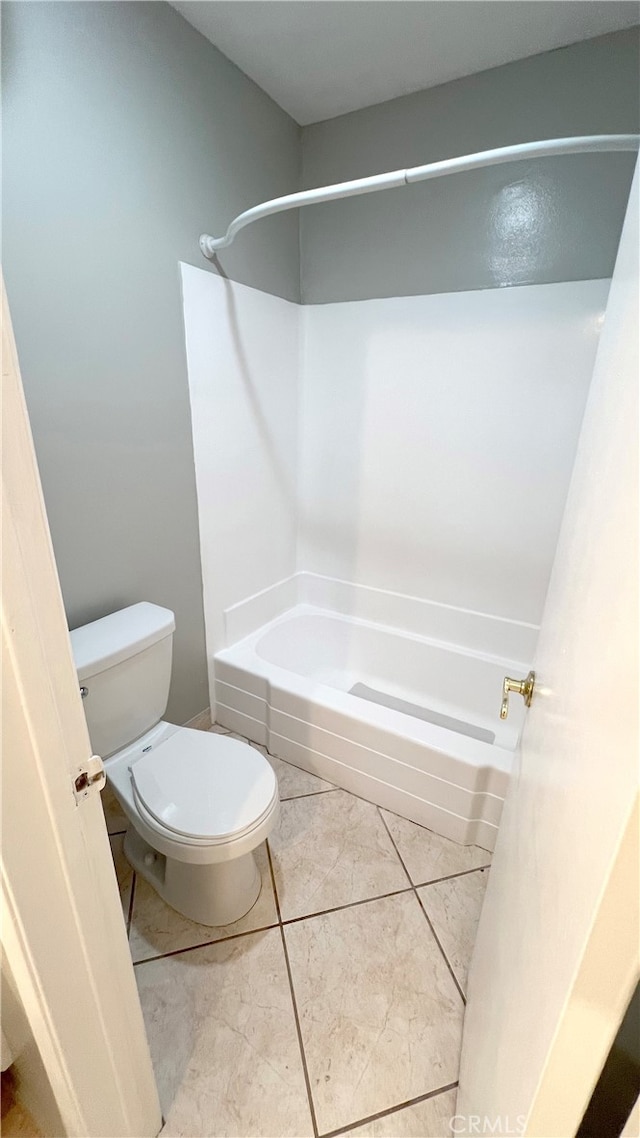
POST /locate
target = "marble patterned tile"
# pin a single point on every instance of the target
(201, 722)
(156, 928)
(294, 782)
(380, 1015)
(124, 872)
(426, 855)
(114, 816)
(330, 850)
(454, 911)
(222, 1033)
(428, 1119)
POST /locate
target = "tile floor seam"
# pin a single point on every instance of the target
(348, 905)
(426, 915)
(393, 843)
(437, 940)
(307, 1080)
(273, 882)
(266, 928)
(130, 905)
(390, 1110)
(263, 928)
(205, 944)
(450, 876)
(309, 793)
(303, 1057)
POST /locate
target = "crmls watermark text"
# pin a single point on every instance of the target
(502, 1124)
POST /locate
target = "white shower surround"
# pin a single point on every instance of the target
(437, 440)
(403, 462)
(243, 367)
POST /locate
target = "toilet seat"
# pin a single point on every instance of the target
(203, 788)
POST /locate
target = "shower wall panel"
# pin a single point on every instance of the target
(438, 435)
(243, 364)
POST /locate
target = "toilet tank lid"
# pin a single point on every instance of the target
(106, 642)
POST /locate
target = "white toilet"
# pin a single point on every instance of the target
(198, 803)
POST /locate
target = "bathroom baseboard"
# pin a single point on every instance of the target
(202, 721)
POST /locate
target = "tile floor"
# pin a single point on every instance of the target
(336, 1004)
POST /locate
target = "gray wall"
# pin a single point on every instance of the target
(552, 220)
(127, 134)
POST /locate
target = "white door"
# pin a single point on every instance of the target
(63, 937)
(556, 956)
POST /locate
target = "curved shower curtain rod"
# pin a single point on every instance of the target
(590, 143)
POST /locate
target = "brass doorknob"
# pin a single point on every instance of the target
(520, 687)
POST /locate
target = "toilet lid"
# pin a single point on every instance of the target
(202, 785)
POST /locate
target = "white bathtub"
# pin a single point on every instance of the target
(421, 734)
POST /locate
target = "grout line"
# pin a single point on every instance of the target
(390, 1110)
(204, 944)
(393, 843)
(421, 826)
(273, 882)
(349, 905)
(450, 876)
(131, 899)
(265, 928)
(115, 833)
(299, 1033)
(309, 793)
(426, 915)
(261, 928)
(281, 921)
(303, 1057)
(446, 958)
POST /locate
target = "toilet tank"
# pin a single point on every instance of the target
(124, 668)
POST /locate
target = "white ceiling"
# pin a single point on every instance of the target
(322, 58)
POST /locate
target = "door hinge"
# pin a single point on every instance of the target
(90, 776)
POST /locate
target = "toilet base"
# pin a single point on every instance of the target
(217, 894)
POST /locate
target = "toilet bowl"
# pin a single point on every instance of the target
(198, 804)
